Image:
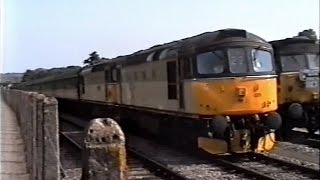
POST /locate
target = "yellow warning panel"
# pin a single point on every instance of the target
(213, 146)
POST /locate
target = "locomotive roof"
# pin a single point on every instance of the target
(297, 44)
(293, 40)
(62, 75)
(203, 39)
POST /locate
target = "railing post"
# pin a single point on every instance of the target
(104, 154)
(37, 117)
(39, 140)
(51, 150)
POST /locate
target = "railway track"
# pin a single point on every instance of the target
(300, 137)
(70, 158)
(270, 168)
(176, 165)
(243, 166)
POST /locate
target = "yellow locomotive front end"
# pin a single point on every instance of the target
(235, 96)
(240, 112)
(234, 90)
(298, 83)
(301, 86)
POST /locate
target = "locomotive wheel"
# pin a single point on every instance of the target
(218, 126)
(295, 111)
(273, 120)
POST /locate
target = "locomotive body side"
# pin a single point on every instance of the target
(60, 87)
(146, 85)
(93, 86)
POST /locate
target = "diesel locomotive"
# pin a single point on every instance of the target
(297, 61)
(216, 91)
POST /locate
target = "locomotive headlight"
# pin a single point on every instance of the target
(241, 91)
(302, 77)
(311, 84)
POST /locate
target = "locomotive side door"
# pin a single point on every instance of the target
(106, 81)
(112, 78)
(183, 72)
(116, 85)
(172, 82)
(81, 86)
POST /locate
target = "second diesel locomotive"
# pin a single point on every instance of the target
(216, 90)
(297, 60)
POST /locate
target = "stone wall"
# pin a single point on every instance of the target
(38, 120)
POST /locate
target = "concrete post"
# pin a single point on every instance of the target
(104, 155)
(51, 151)
(28, 120)
(37, 116)
(39, 139)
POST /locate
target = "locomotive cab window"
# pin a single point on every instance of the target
(262, 60)
(313, 61)
(233, 61)
(211, 62)
(238, 60)
(293, 63)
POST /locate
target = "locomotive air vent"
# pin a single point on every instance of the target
(150, 57)
(154, 56)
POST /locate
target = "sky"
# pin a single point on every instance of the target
(59, 33)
